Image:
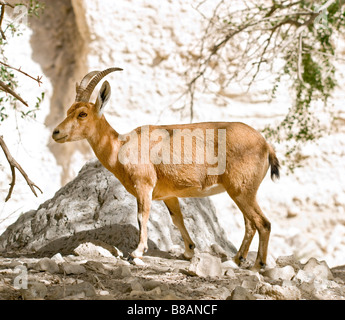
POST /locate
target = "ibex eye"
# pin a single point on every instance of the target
(82, 115)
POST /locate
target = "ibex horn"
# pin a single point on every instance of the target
(95, 77)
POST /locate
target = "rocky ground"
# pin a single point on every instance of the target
(93, 272)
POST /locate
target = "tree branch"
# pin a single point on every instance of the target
(14, 164)
(7, 89)
(38, 79)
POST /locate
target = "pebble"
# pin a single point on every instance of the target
(284, 273)
(122, 272)
(240, 293)
(47, 265)
(205, 265)
(34, 291)
(72, 268)
(80, 290)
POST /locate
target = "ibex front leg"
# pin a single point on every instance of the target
(144, 205)
(177, 218)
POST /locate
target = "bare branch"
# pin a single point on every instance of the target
(14, 164)
(1, 19)
(7, 89)
(5, 3)
(38, 79)
(299, 62)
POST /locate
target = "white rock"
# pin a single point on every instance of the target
(58, 258)
(284, 273)
(319, 269)
(291, 260)
(205, 265)
(304, 276)
(138, 262)
(92, 251)
(229, 264)
(250, 282)
(280, 293)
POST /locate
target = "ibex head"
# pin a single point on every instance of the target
(82, 115)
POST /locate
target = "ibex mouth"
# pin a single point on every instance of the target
(60, 140)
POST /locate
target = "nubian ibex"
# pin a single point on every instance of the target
(172, 161)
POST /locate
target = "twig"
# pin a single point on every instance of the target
(7, 89)
(14, 164)
(1, 19)
(38, 79)
(299, 62)
(5, 3)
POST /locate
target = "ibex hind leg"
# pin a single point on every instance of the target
(254, 220)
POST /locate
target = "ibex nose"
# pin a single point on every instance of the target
(56, 132)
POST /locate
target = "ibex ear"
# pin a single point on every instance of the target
(103, 97)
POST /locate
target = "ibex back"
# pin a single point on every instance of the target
(168, 162)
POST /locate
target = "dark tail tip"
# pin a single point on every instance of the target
(275, 171)
(274, 163)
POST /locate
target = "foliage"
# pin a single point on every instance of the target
(293, 40)
(7, 72)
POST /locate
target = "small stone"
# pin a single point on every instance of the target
(117, 252)
(280, 293)
(138, 262)
(72, 268)
(77, 291)
(230, 264)
(304, 276)
(319, 269)
(58, 258)
(47, 265)
(151, 284)
(291, 260)
(122, 272)
(284, 273)
(136, 286)
(250, 282)
(14, 264)
(155, 292)
(92, 251)
(35, 291)
(205, 265)
(240, 293)
(219, 252)
(96, 266)
(230, 273)
(170, 296)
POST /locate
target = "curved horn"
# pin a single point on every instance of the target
(83, 84)
(86, 94)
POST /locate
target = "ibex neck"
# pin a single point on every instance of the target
(105, 144)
